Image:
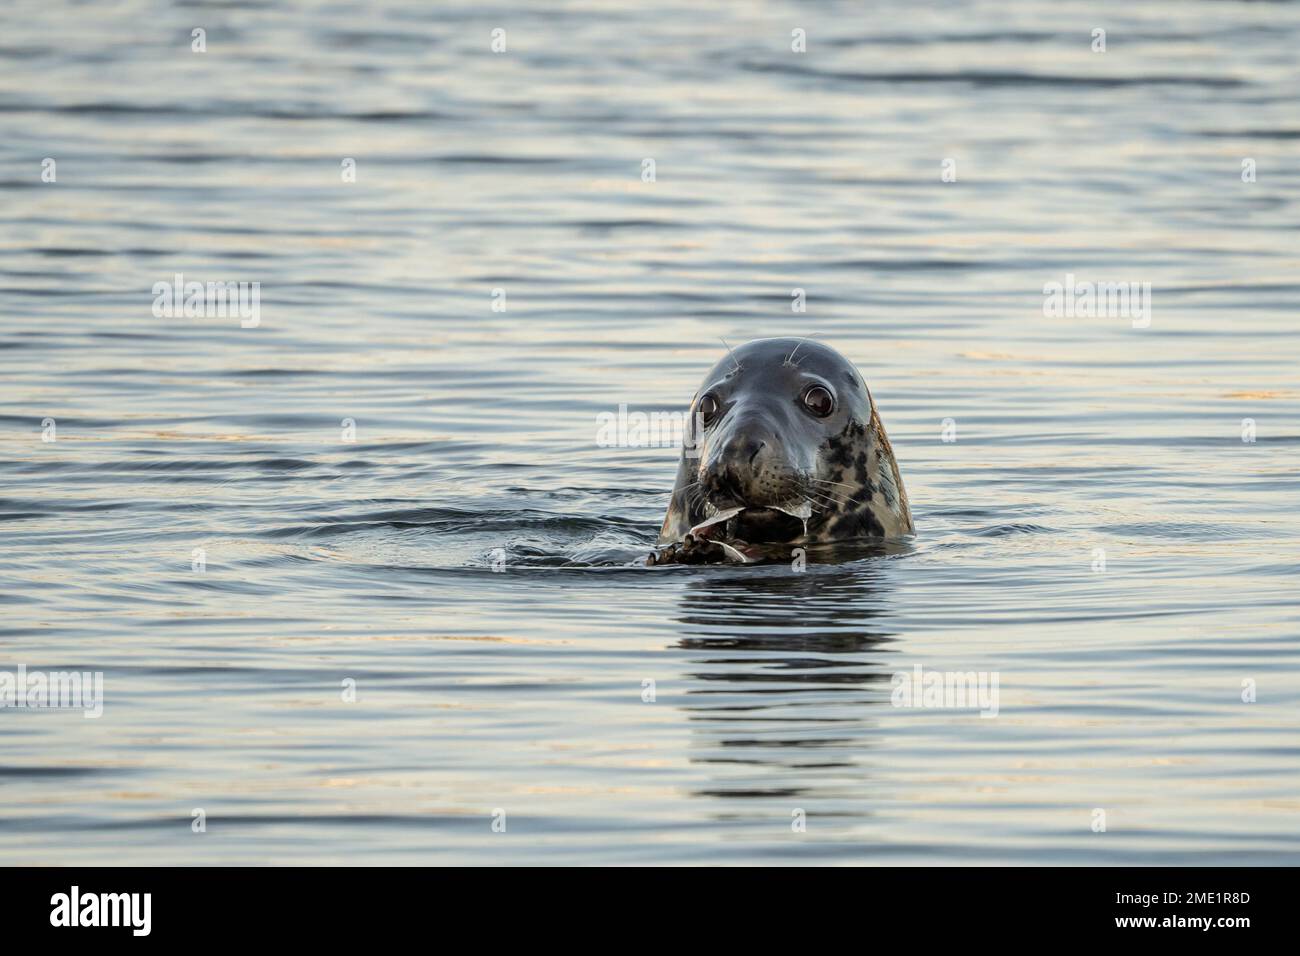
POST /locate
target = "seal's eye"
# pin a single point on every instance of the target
(819, 401)
(707, 409)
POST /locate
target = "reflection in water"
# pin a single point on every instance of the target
(789, 669)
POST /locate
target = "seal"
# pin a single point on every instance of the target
(785, 448)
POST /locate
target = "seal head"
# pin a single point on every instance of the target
(785, 447)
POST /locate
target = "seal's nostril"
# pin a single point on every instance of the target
(757, 448)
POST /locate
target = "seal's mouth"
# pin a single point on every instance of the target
(778, 524)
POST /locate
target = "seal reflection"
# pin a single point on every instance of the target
(789, 669)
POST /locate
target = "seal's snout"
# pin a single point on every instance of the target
(746, 469)
(724, 485)
(741, 452)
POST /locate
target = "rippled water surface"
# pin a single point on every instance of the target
(521, 690)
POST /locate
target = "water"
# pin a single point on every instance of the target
(521, 690)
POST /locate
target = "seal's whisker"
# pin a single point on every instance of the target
(789, 359)
(830, 498)
(828, 506)
(813, 506)
(693, 484)
(840, 497)
(738, 367)
(828, 503)
(831, 493)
